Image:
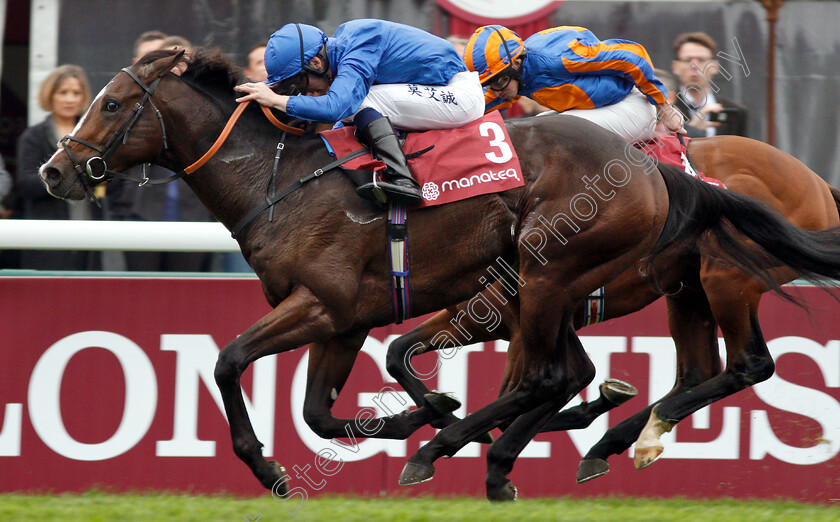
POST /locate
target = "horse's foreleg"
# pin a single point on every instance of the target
(695, 338)
(296, 321)
(734, 299)
(330, 363)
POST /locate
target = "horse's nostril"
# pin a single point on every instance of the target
(52, 174)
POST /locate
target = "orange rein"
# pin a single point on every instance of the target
(229, 126)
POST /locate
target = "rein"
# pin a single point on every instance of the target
(97, 168)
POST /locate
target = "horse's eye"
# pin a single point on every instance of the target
(111, 106)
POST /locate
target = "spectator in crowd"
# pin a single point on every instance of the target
(255, 63)
(169, 202)
(9, 258)
(146, 43)
(459, 43)
(696, 67)
(65, 94)
(6, 184)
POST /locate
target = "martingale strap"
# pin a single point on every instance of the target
(594, 307)
(270, 202)
(397, 231)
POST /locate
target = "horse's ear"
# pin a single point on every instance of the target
(163, 65)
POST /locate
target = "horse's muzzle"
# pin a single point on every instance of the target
(58, 184)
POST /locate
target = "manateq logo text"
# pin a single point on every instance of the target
(486, 177)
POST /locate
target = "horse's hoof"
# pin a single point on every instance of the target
(441, 403)
(415, 474)
(644, 457)
(278, 482)
(617, 392)
(506, 493)
(589, 469)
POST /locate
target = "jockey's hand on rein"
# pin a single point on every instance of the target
(671, 117)
(262, 94)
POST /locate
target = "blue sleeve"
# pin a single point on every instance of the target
(355, 73)
(616, 57)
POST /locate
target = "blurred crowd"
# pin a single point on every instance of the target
(66, 94)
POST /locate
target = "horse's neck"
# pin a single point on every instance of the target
(236, 180)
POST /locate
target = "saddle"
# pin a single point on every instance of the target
(449, 164)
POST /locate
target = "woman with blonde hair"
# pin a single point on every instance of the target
(65, 94)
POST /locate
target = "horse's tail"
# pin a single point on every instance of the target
(835, 193)
(697, 208)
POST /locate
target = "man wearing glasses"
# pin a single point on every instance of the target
(569, 70)
(695, 65)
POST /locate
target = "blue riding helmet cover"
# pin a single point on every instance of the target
(283, 58)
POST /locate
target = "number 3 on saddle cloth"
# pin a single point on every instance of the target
(452, 164)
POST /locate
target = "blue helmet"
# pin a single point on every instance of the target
(290, 49)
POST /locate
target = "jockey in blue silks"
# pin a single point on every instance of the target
(375, 74)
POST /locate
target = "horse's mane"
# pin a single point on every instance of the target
(207, 71)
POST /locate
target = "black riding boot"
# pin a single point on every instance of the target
(399, 186)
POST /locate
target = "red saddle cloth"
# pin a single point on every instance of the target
(472, 160)
(668, 149)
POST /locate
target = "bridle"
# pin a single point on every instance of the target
(96, 167)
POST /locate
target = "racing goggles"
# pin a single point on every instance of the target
(503, 79)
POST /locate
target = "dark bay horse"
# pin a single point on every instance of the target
(322, 258)
(702, 296)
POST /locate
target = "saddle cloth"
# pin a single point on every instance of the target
(668, 149)
(468, 161)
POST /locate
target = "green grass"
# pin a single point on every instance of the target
(98, 506)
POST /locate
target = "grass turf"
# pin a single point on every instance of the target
(98, 506)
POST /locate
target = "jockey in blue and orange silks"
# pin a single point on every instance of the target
(569, 70)
(376, 74)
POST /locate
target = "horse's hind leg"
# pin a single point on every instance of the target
(441, 330)
(734, 299)
(503, 453)
(330, 363)
(695, 338)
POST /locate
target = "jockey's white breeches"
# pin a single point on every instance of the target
(633, 118)
(424, 107)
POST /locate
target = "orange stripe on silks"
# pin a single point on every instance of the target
(564, 28)
(618, 65)
(563, 97)
(468, 56)
(588, 51)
